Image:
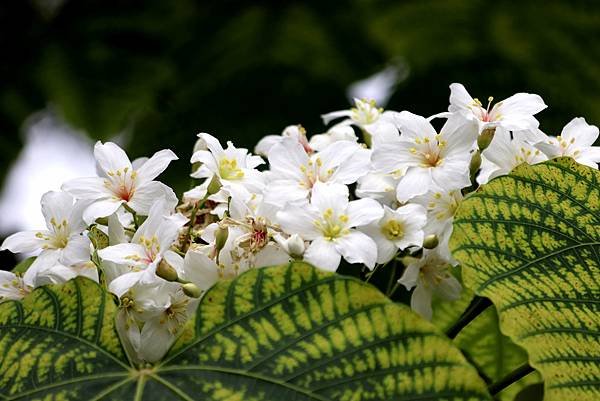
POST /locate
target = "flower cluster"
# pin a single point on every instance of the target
(378, 187)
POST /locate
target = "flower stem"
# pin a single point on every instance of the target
(390, 285)
(510, 378)
(475, 308)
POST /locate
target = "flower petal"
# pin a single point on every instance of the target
(155, 165)
(357, 247)
(363, 211)
(110, 157)
(101, 208)
(322, 254)
(24, 241)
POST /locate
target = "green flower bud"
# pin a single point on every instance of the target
(103, 221)
(214, 186)
(430, 241)
(475, 163)
(221, 237)
(484, 139)
(191, 290)
(166, 271)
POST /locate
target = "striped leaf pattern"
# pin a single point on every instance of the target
(60, 343)
(530, 242)
(279, 333)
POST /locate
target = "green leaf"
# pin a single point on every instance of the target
(530, 241)
(23, 265)
(288, 332)
(484, 345)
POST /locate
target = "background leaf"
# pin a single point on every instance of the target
(289, 332)
(530, 241)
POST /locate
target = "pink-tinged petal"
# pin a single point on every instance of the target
(299, 220)
(357, 247)
(125, 254)
(460, 100)
(322, 254)
(57, 207)
(101, 208)
(110, 157)
(363, 211)
(147, 194)
(87, 188)
(155, 165)
(415, 182)
(24, 241)
(329, 196)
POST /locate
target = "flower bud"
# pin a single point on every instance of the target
(430, 241)
(475, 163)
(166, 271)
(221, 237)
(213, 186)
(485, 138)
(191, 290)
(103, 221)
(295, 245)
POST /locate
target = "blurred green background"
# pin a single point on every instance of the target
(159, 72)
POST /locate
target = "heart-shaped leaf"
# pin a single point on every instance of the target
(530, 242)
(288, 332)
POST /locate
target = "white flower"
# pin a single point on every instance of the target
(397, 229)
(575, 140)
(379, 186)
(294, 173)
(147, 248)
(504, 154)
(330, 222)
(139, 303)
(293, 245)
(333, 134)
(62, 244)
(513, 113)
(364, 114)
(160, 331)
(233, 166)
(430, 275)
(428, 157)
(12, 286)
(122, 183)
(295, 132)
(441, 206)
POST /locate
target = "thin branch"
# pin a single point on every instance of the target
(510, 378)
(475, 308)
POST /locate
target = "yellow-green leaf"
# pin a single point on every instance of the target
(288, 332)
(530, 242)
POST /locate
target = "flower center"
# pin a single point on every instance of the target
(229, 170)
(122, 183)
(365, 112)
(332, 226)
(428, 151)
(392, 230)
